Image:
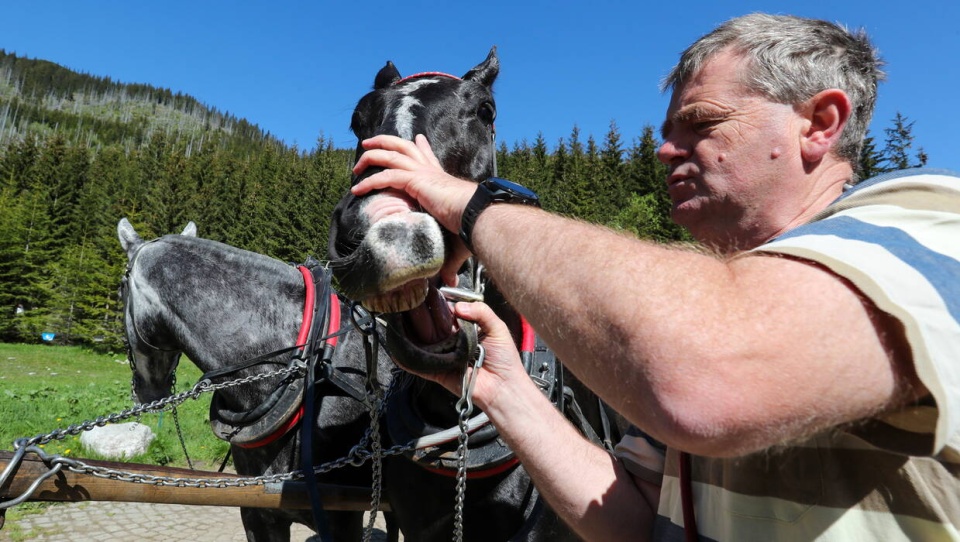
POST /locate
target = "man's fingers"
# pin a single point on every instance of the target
(424, 146)
(389, 178)
(384, 158)
(388, 142)
(483, 315)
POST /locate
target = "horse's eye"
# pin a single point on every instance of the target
(487, 112)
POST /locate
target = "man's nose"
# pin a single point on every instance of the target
(670, 151)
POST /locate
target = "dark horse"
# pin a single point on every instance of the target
(220, 305)
(386, 254)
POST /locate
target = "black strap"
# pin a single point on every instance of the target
(575, 415)
(230, 369)
(605, 423)
(308, 423)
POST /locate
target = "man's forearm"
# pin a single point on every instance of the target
(543, 264)
(707, 355)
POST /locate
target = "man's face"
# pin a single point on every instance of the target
(733, 157)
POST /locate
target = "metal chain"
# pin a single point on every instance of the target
(357, 456)
(167, 403)
(183, 442)
(465, 409)
(176, 422)
(379, 399)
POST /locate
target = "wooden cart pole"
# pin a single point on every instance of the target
(73, 487)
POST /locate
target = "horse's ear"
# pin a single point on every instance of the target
(190, 230)
(387, 76)
(485, 72)
(129, 239)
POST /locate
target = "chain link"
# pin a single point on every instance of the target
(369, 448)
(379, 399)
(357, 456)
(167, 403)
(464, 409)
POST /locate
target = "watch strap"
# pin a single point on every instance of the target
(482, 198)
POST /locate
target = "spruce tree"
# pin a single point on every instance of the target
(871, 160)
(899, 141)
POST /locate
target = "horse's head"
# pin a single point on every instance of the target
(383, 251)
(151, 350)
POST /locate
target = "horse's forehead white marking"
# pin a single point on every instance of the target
(404, 115)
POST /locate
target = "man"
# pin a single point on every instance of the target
(808, 364)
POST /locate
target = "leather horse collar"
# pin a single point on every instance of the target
(283, 409)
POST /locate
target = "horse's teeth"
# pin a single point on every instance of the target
(399, 300)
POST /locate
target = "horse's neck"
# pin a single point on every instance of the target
(225, 306)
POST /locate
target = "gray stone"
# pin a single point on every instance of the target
(118, 441)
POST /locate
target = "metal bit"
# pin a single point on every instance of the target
(460, 294)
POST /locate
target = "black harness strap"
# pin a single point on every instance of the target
(313, 353)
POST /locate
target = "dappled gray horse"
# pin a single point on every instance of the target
(220, 306)
(389, 261)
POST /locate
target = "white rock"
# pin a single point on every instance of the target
(121, 440)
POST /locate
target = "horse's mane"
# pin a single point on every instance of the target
(218, 253)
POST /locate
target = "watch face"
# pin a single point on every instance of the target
(510, 186)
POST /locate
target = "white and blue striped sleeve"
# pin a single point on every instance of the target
(897, 239)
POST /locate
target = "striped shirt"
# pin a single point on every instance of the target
(897, 477)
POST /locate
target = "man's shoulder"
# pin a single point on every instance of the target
(904, 178)
(889, 198)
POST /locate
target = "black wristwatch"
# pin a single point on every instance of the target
(493, 190)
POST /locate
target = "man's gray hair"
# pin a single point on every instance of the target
(790, 59)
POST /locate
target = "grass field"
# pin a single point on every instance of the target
(43, 388)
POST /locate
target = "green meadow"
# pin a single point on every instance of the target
(43, 388)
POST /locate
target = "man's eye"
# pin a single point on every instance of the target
(705, 125)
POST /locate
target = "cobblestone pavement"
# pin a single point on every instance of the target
(139, 522)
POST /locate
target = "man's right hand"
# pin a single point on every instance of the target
(411, 166)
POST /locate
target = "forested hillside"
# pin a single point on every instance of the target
(78, 153)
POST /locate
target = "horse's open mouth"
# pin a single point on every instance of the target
(424, 314)
(428, 337)
(433, 322)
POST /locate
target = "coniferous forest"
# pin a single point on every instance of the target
(79, 152)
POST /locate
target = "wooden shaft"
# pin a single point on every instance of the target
(74, 487)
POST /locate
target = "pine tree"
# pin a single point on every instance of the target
(555, 194)
(899, 141)
(13, 292)
(578, 198)
(612, 175)
(871, 160)
(647, 212)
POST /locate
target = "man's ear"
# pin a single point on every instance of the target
(827, 113)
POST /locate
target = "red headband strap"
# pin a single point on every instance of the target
(426, 74)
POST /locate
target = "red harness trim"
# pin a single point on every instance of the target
(305, 325)
(288, 425)
(476, 475)
(528, 339)
(426, 74)
(308, 304)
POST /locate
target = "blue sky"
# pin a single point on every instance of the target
(297, 68)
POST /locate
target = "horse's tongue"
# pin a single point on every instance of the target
(432, 321)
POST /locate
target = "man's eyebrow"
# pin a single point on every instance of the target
(693, 112)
